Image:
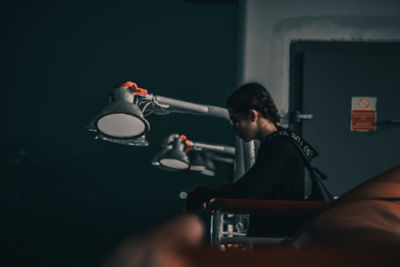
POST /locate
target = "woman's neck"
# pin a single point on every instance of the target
(266, 127)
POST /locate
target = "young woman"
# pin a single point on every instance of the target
(277, 174)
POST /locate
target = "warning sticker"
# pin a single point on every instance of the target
(363, 113)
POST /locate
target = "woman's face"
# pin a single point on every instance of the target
(242, 125)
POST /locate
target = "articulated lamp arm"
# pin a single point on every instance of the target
(180, 153)
(162, 105)
(123, 120)
(214, 148)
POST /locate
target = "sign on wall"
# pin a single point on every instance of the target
(363, 113)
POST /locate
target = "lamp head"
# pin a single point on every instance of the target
(202, 161)
(198, 161)
(176, 157)
(173, 155)
(209, 165)
(210, 171)
(122, 118)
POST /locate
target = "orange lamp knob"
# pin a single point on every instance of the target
(187, 142)
(134, 88)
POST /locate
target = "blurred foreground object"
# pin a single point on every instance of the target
(360, 229)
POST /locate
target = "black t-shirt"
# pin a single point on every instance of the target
(277, 174)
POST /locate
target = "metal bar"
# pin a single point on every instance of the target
(223, 159)
(215, 148)
(239, 159)
(249, 154)
(268, 207)
(217, 226)
(188, 107)
(251, 240)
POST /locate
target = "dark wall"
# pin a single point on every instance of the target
(66, 198)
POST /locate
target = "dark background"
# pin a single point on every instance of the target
(67, 199)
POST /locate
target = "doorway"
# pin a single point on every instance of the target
(324, 77)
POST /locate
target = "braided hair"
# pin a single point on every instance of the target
(253, 96)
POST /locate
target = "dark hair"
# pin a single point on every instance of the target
(253, 96)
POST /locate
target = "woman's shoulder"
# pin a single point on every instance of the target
(278, 142)
(277, 139)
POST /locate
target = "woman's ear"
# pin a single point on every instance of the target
(253, 114)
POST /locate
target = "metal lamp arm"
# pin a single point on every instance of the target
(178, 106)
(225, 160)
(214, 148)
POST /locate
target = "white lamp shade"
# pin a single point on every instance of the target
(197, 161)
(208, 172)
(121, 119)
(173, 156)
(174, 163)
(121, 125)
(194, 167)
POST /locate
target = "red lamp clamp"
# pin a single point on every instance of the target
(187, 142)
(134, 88)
